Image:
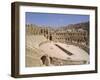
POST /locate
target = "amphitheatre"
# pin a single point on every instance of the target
(55, 47)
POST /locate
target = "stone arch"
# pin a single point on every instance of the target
(50, 38)
(45, 60)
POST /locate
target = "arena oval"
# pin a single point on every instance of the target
(63, 54)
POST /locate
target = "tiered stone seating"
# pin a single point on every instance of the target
(34, 40)
(33, 53)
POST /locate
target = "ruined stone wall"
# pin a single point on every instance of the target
(79, 37)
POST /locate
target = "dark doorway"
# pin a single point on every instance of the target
(50, 38)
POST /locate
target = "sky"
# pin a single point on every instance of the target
(55, 20)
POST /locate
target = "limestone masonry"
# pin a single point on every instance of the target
(43, 42)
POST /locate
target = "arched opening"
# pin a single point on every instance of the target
(46, 60)
(41, 31)
(43, 58)
(50, 38)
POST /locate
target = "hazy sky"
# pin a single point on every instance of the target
(54, 19)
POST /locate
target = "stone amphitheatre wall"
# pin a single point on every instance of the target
(78, 37)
